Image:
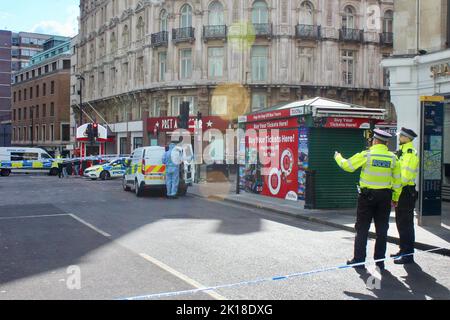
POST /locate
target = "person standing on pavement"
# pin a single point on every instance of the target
(379, 189)
(172, 161)
(404, 213)
(59, 161)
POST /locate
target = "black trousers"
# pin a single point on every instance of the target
(372, 205)
(404, 217)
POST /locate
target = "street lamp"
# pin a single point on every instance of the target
(32, 125)
(80, 92)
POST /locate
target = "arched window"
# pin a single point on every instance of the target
(125, 36)
(216, 14)
(186, 16)
(113, 42)
(307, 13)
(388, 21)
(140, 27)
(348, 19)
(163, 25)
(260, 12)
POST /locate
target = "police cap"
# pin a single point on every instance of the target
(408, 133)
(382, 135)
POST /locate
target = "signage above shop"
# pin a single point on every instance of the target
(276, 114)
(170, 124)
(440, 70)
(346, 123)
(274, 124)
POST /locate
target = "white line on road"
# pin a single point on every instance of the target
(87, 224)
(181, 276)
(35, 216)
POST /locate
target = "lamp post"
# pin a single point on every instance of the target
(32, 125)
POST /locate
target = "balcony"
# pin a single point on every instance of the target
(351, 35)
(307, 32)
(263, 30)
(387, 39)
(183, 35)
(214, 33)
(160, 39)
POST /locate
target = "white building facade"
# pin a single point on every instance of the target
(140, 59)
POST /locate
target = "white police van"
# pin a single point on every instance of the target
(26, 160)
(145, 170)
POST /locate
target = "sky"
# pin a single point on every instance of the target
(56, 17)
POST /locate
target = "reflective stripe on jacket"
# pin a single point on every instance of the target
(380, 169)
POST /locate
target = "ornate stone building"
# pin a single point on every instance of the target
(142, 58)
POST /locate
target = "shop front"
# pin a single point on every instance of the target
(289, 151)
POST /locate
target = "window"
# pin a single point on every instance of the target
(123, 146)
(348, 19)
(24, 94)
(259, 101)
(348, 67)
(140, 27)
(44, 132)
(140, 70)
(65, 132)
(52, 132)
(125, 36)
(102, 48)
(388, 22)
(259, 63)
(307, 13)
(37, 111)
(137, 143)
(176, 102)
(219, 105)
(52, 87)
(215, 62)
(31, 92)
(44, 89)
(52, 109)
(54, 66)
(163, 26)
(46, 69)
(113, 42)
(20, 114)
(156, 109)
(20, 95)
(25, 113)
(260, 12)
(185, 63)
(19, 138)
(125, 74)
(36, 130)
(216, 17)
(25, 136)
(30, 133)
(15, 96)
(162, 58)
(37, 91)
(305, 63)
(186, 16)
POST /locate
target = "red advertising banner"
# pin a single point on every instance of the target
(170, 124)
(347, 123)
(275, 124)
(280, 179)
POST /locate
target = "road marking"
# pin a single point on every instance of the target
(35, 216)
(181, 276)
(87, 224)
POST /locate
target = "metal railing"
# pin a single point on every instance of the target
(215, 32)
(262, 29)
(305, 31)
(351, 35)
(183, 34)
(160, 39)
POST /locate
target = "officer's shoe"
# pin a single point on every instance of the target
(404, 260)
(359, 267)
(395, 255)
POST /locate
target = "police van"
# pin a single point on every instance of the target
(113, 169)
(26, 160)
(145, 170)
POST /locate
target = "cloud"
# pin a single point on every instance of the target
(67, 28)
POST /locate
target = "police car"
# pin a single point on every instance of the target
(145, 170)
(113, 169)
(26, 160)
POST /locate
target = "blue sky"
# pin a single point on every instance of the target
(43, 16)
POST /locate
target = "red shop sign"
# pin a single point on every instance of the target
(346, 123)
(170, 124)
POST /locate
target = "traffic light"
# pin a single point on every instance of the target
(95, 130)
(184, 115)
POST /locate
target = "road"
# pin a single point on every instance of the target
(123, 246)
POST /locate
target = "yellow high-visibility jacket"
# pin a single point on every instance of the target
(410, 163)
(380, 169)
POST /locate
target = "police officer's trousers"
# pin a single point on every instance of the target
(404, 217)
(376, 205)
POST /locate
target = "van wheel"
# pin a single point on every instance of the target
(5, 173)
(105, 175)
(138, 189)
(124, 185)
(54, 172)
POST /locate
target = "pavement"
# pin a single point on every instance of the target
(426, 237)
(81, 239)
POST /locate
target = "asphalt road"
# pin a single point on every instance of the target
(122, 246)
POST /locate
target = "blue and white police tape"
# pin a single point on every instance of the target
(264, 280)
